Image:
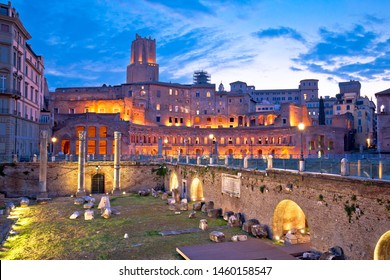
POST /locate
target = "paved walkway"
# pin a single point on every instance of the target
(188, 230)
(252, 249)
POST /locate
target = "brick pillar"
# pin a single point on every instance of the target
(81, 171)
(43, 165)
(117, 162)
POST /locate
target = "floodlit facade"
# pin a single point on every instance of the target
(159, 118)
(383, 121)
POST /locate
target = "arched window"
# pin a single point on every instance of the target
(103, 131)
(91, 131)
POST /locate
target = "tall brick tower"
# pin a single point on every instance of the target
(143, 66)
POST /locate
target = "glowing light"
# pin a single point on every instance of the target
(302, 231)
(124, 193)
(381, 252)
(301, 126)
(277, 238)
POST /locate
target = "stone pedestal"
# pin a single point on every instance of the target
(198, 161)
(81, 170)
(344, 167)
(246, 162)
(301, 165)
(270, 162)
(42, 196)
(117, 143)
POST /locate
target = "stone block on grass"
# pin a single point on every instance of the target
(203, 225)
(247, 226)
(214, 213)
(217, 236)
(88, 215)
(75, 215)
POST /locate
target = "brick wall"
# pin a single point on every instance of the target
(62, 179)
(323, 199)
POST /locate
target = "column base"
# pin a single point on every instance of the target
(116, 192)
(42, 196)
(80, 193)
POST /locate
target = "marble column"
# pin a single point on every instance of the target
(43, 165)
(81, 173)
(117, 163)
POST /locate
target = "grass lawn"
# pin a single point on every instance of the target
(45, 231)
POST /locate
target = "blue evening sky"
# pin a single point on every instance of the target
(269, 44)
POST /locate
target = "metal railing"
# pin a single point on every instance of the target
(377, 168)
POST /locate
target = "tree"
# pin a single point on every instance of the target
(161, 172)
(321, 113)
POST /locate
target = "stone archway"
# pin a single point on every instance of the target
(382, 248)
(173, 181)
(196, 190)
(289, 218)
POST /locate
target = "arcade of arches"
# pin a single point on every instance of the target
(196, 188)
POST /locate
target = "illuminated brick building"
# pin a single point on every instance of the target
(155, 116)
(383, 121)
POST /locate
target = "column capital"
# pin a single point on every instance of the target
(117, 135)
(82, 135)
(44, 133)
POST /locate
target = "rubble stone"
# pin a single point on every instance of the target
(203, 225)
(217, 236)
(88, 215)
(247, 226)
(214, 213)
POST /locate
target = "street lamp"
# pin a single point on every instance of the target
(165, 146)
(211, 137)
(53, 140)
(301, 127)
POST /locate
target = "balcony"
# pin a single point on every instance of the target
(13, 93)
